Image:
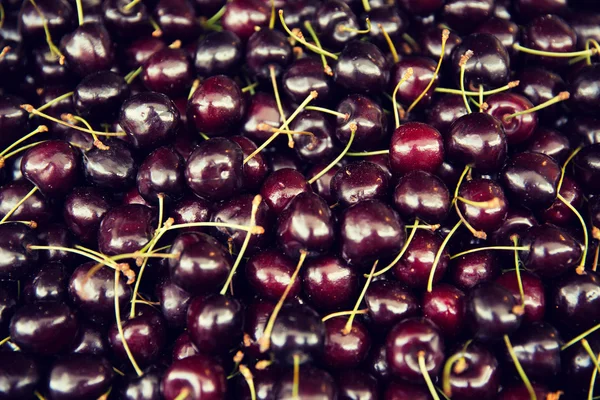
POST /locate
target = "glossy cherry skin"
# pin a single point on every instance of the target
(126, 229)
(168, 71)
(19, 375)
(517, 221)
(389, 302)
(191, 209)
(9, 302)
(478, 140)
(44, 328)
(36, 208)
(215, 169)
(469, 270)
(422, 195)
(200, 374)
(267, 49)
(138, 51)
(411, 89)
(491, 312)
(52, 166)
(281, 187)
(329, 283)
(161, 173)
(79, 376)
(430, 41)
(83, 211)
(421, 7)
(149, 119)
(256, 169)
(577, 367)
(586, 167)
(319, 147)
(572, 312)
(540, 85)
(59, 16)
(204, 263)
(414, 267)
(486, 219)
(481, 376)
(241, 16)
(88, 49)
(444, 111)
(269, 273)
(356, 384)
(49, 284)
(520, 128)
(549, 33)
(17, 260)
(215, 323)
(218, 53)
(445, 307)
(322, 186)
(55, 234)
(399, 389)
(298, 331)
(264, 384)
(404, 343)
(369, 118)
(462, 15)
(489, 66)
(329, 17)
(145, 334)
(126, 23)
(316, 384)
(262, 108)
(174, 302)
(505, 30)
(90, 340)
(357, 181)
(177, 20)
(416, 146)
(585, 91)
(256, 315)
(345, 350)
(100, 95)
(531, 179)
(146, 387)
(184, 347)
(361, 67)
(369, 231)
(305, 75)
(550, 143)
(535, 297)
(14, 119)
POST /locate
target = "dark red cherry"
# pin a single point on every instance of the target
(415, 266)
(264, 383)
(420, 7)
(127, 22)
(430, 41)
(304, 76)
(145, 334)
(517, 221)
(204, 263)
(53, 166)
(484, 218)
(329, 18)
(411, 89)
(477, 140)
(416, 146)
(191, 209)
(174, 302)
(586, 166)
(558, 213)
(369, 231)
(535, 298)
(530, 8)
(422, 195)
(183, 346)
(519, 128)
(79, 376)
(550, 143)
(83, 211)
(329, 283)
(94, 294)
(256, 169)
(444, 111)
(44, 328)
(177, 19)
(90, 340)
(256, 317)
(49, 284)
(462, 15)
(577, 367)
(262, 109)
(59, 16)
(505, 30)
(585, 24)
(322, 186)
(216, 106)
(146, 387)
(390, 302)
(218, 53)
(479, 377)
(215, 169)
(55, 234)
(241, 16)
(99, 96)
(369, 118)
(267, 49)
(445, 307)
(269, 274)
(126, 229)
(570, 311)
(149, 119)
(88, 49)
(345, 350)
(491, 312)
(168, 71)
(376, 363)
(14, 119)
(531, 179)
(398, 389)
(19, 375)
(17, 260)
(319, 147)
(409, 340)
(314, 384)
(540, 85)
(161, 173)
(297, 12)
(472, 269)
(215, 323)
(358, 181)
(489, 66)
(549, 33)
(394, 21)
(36, 208)
(281, 187)
(361, 67)
(9, 302)
(199, 374)
(356, 384)
(137, 52)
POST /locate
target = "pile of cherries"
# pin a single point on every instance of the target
(299, 199)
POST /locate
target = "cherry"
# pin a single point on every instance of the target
(161, 173)
(126, 229)
(552, 34)
(14, 119)
(520, 128)
(422, 195)
(329, 18)
(9, 302)
(264, 381)
(19, 375)
(533, 288)
(214, 169)
(149, 119)
(540, 85)
(444, 111)
(138, 51)
(361, 67)
(358, 181)
(486, 218)
(184, 347)
(191, 209)
(586, 171)
(492, 312)
(35, 208)
(100, 94)
(528, 8)
(83, 211)
(241, 16)
(256, 169)
(49, 284)
(79, 376)
(356, 384)
(269, 274)
(570, 311)
(421, 7)
(55, 235)
(416, 146)
(477, 140)
(469, 270)
(367, 116)
(47, 68)
(415, 266)
(281, 187)
(44, 328)
(126, 21)
(218, 53)
(203, 265)
(319, 146)
(398, 390)
(322, 186)
(90, 340)
(174, 302)
(377, 364)
(423, 73)
(304, 76)
(445, 307)
(370, 230)
(390, 302)
(262, 109)
(146, 387)
(215, 323)
(329, 283)
(504, 29)
(430, 42)
(343, 350)
(462, 15)
(267, 49)
(392, 20)
(88, 49)
(17, 259)
(522, 392)
(531, 179)
(256, 317)
(550, 143)
(198, 375)
(168, 71)
(558, 213)
(177, 20)
(58, 15)
(312, 383)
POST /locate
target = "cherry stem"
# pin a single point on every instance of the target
(30, 224)
(402, 251)
(5, 50)
(332, 164)
(30, 109)
(39, 129)
(265, 341)
(588, 349)
(296, 382)
(70, 118)
(255, 204)
(511, 248)
(249, 378)
(272, 19)
(405, 77)
(131, 4)
(579, 337)
(348, 327)
(300, 38)
(343, 28)
(53, 49)
(564, 167)
(5, 340)
(268, 128)
(20, 202)
(79, 12)
(428, 381)
(282, 117)
(390, 44)
(315, 38)
(195, 85)
(53, 101)
(217, 17)
(515, 240)
(157, 31)
(463, 65)
(410, 40)
(459, 360)
(568, 54)
(366, 5)
(137, 369)
(2, 15)
(581, 268)
(130, 77)
(367, 153)
(596, 253)
(587, 47)
(562, 96)
(249, 87)
(309, 98)
(342, 313)
(183, 394)
(38, 395)
(328, 111)
(474, 232)
(504, 88)
(445, 35)
(519, 368)
(438, 255)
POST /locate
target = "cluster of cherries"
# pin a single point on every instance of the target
(299, 199)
